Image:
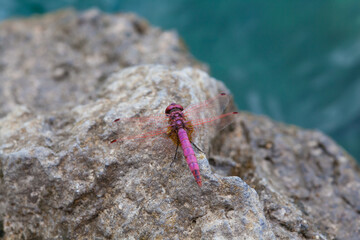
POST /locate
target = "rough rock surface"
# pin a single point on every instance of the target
(61, 179)
(60, 59)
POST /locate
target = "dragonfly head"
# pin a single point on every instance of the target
(172, 107)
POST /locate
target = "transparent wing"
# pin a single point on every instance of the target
(209, 108)
(208, 114)
(217, 123)
(202, 115)
(139, 128)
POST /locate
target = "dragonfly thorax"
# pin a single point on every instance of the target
(176, 119)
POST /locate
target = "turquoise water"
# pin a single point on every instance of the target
(295, 61)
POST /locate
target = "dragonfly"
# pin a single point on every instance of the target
(179, 125)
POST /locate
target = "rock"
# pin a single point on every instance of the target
(61, 179)
(61, 59)
(304, 180)
(64, 179)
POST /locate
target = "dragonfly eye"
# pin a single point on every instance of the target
(172, 107)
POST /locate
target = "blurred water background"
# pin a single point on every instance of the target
(295, 61)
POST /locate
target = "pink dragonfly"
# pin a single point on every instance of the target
(180, 125)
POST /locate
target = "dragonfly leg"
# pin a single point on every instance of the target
(177, 146)
(198, 148)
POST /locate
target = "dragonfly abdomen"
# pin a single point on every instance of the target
(189, 155)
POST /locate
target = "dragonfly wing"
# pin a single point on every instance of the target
(208, 114)
(209, 108)
(138, 128)
(217, 123)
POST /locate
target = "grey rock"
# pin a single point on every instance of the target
(60, 59)
(309, 186)
(61, 178)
